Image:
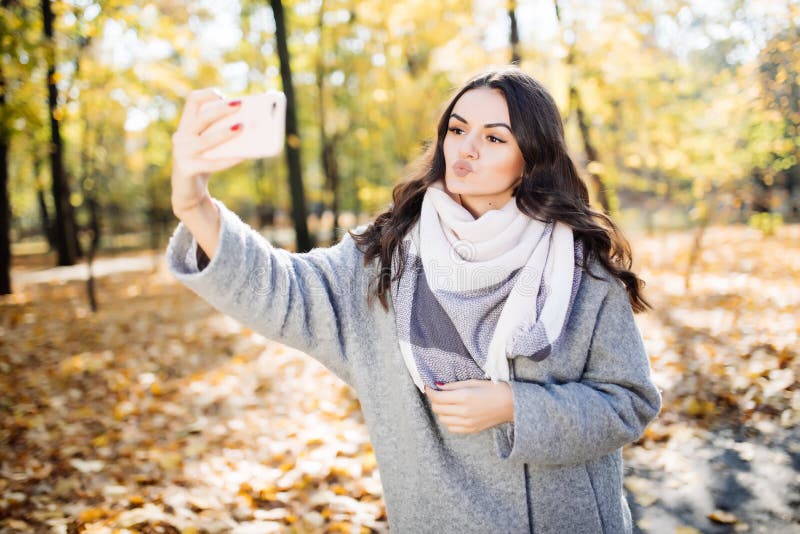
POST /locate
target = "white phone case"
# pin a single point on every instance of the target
(263, 117)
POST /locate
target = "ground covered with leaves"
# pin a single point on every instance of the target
(158, 414)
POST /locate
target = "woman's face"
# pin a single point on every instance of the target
(482, 158)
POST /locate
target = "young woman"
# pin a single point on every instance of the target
(484, 320)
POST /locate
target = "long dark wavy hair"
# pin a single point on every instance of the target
(551, 189)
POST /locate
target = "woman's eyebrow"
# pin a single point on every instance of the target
(490, 125)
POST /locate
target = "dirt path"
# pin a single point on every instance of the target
(750, 479)
(100, 267)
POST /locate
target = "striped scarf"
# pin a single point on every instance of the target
(476, 292)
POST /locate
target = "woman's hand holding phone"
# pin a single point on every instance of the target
(190, 171)
(215, 134)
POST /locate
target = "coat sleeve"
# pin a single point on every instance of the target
(610, 406)
(301, 300)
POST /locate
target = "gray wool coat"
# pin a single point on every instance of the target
(556, 469)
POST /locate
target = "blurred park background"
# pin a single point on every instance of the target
(129, 405)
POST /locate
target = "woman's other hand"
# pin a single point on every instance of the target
(472, 405)
(190, 172)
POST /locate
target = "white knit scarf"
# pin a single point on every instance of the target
(476, 292)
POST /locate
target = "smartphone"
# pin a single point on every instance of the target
(263, 118)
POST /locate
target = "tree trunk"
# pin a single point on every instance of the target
(153, 217)
(589, 148)
(65, 228)
(331, 167)
(93, 245)
(762, 192)
(792, 184)
(514, 32)
(5, 201)
(697, 248)
(5, 208)
(299, 213)
(583, 125)
(44, 216)
(327, 143)
(265, 194)
(89, 173)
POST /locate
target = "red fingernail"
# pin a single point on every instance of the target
(439, 383)
(235, 103)
(236, 126)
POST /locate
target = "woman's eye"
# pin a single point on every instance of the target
(456, 130)
(494, 139)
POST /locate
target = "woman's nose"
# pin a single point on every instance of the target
(467, 149)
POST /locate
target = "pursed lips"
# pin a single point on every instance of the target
(462, 168)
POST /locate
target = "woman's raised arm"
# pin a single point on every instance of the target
(308, 301)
